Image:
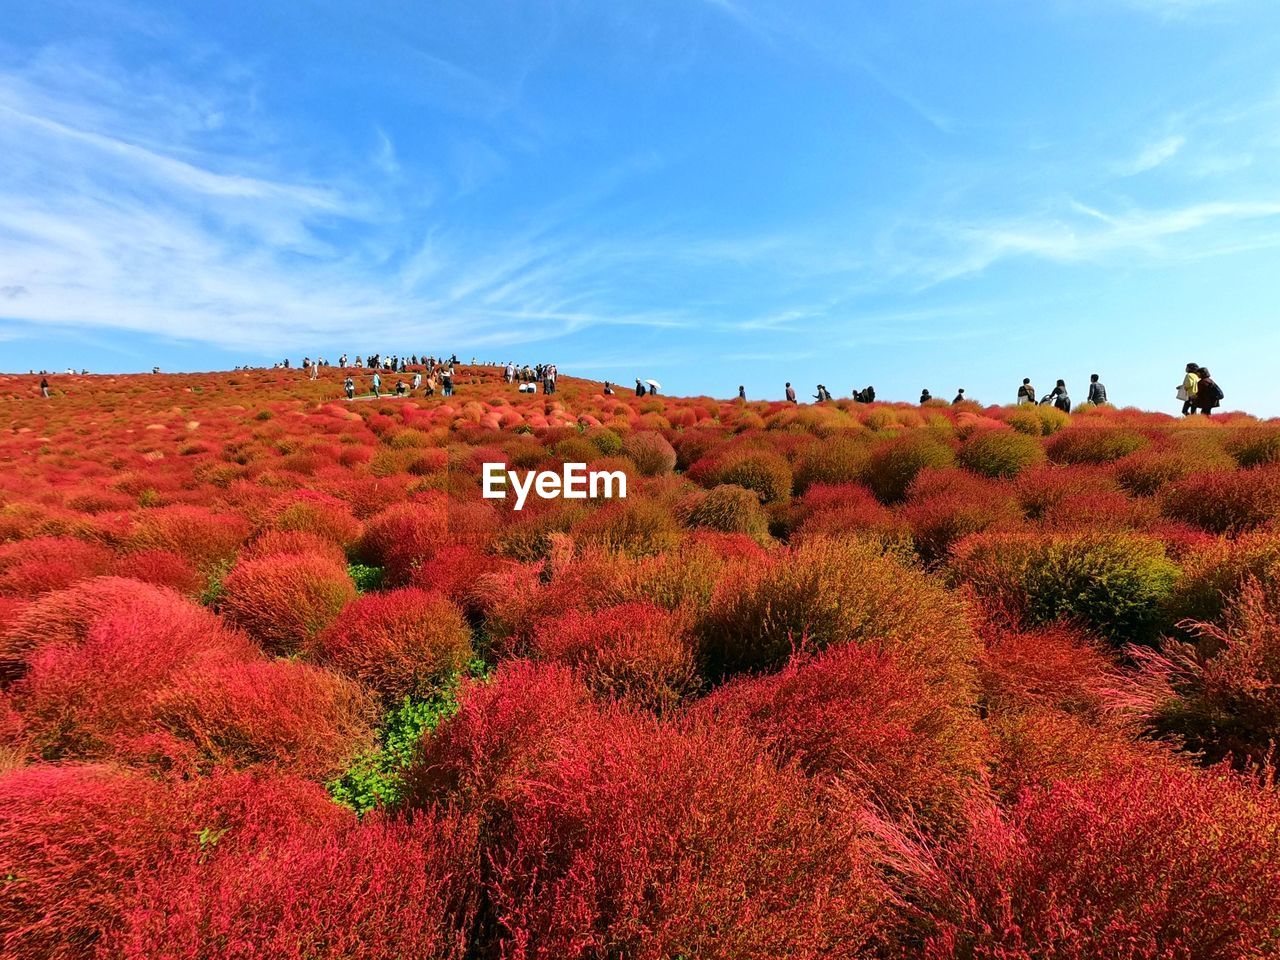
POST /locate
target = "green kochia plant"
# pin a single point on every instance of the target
(376, 779)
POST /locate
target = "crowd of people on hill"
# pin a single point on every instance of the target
(527, 378)
(1198, 391)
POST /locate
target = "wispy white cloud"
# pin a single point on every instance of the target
(1153, 155)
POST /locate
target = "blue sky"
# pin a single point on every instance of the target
(934, 193)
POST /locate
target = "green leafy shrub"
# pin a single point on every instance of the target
(1000, 453)
(376, 779)
(895, 463)
(1118, 584)
(729, 509)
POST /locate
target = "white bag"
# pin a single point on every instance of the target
(1182, 394)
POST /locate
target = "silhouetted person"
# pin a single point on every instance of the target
(742, 392)
(639, 387)
(1026, 392)
(925, 396)
(1208, 393)
(791, 394)
(959, 397)
(1097, 391)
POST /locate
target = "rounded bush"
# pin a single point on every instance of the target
(293, 716)
(633, 526)
(635, 652)
(1144, 863)
(284, 600)
(324, 516)
(945, 506)
(1120, 584)
(835, 461)
(729, 509)
(859, 716)
(765, 473)
(398, 643)
(651, 453)
(403, 536)
(94, 699)
(197, 533)
(29, 568)
(1094, 444)
(273, 543)
(1255, 446)
(831, 592)
(894, 464)
(63, 618)
(1000, 453)
(1222, 501)
(379, 889)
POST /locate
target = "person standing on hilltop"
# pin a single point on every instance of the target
(959, 397)
(1188, 388)
(925, 396)
(1208, 393)
(44, 387)
(791, 393)
(1059, 397)
(1026, 392)
(742, 392)
(640, 391)
(1097, 391)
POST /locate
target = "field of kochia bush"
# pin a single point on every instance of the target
(838, 681)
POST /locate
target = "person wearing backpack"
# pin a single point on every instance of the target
(1097, 391)
(1208, 393)
(1026, 392)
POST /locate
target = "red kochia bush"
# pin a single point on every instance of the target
(163, 568)
(80, 841)
(648, 841)
(378, 889)
(203, 536)
(89, 700)
(300, 718)
(635, 651)
(1093, 444)
(1224, 501)
(285, 600)
(396, 643)
(63, 618)
(859, 715)
(455, 571)
(944, 506)
(401, 537)
(503, 730)
(74, 841)
(29, 568)
(325, 516)
(1143, 864)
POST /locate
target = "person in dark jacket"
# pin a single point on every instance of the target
(1026, 392)
(640, 391)
(742, 392)
(791, 393)
(1097, 391)
(925, 396)
(44, 387)
(1208, 393)
(1059, 397)
(959, 397)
